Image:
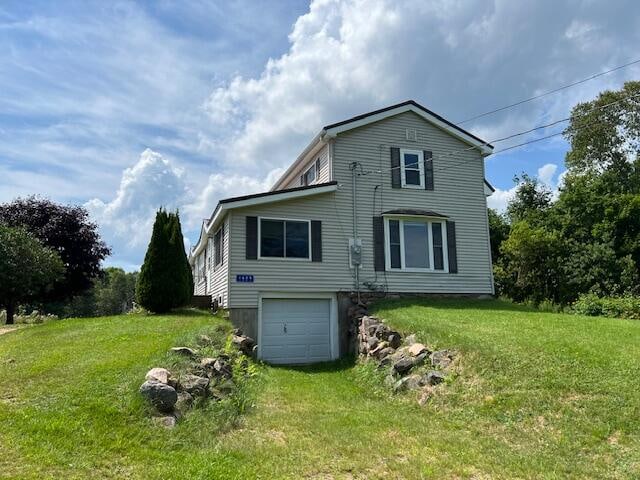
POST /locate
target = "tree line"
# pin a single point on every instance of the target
(51, 259)
(587, 240)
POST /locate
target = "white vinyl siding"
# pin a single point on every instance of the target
(219, 274)
(458, 193)
(284, 275)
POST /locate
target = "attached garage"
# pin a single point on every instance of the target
(296, 330)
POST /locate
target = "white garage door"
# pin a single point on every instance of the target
(296, 330)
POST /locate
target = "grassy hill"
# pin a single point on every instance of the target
(539, 395)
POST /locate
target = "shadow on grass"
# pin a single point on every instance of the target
(322, 367)
(453, 304)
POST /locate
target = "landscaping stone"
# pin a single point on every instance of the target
(411, 382)
(222, 368)
(416, 349)
(207, 362)
(186, 351)
(168, 421)
(382, 331)
(442, 358)
(372, 343)
(403, 365)
(195, 385)
(394, 339)
(184, 402)
(381, 346)
(434, 377)
(385, 353)
(161, 396)
(161, 375)
(243, 343)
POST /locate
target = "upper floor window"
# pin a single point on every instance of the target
(284, 238)
(311, 175)
(415, 244)
(412, 168)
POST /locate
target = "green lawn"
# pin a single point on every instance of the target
(538, 395)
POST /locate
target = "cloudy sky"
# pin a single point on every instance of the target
(125, 106)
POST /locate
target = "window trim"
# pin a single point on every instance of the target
(218, 250)
(414, 219)
(315, 166)
(403, 176)
(284, 258)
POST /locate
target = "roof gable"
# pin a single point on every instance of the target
(409, 106)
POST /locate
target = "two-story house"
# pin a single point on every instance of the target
(390, 201)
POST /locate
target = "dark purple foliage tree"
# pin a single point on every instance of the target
(68, 231)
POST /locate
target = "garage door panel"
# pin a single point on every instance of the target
(273, 329)
(308, 330)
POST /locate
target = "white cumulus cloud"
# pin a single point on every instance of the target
(126, 220)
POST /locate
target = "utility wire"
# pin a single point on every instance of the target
(555, 90)
(517, 134)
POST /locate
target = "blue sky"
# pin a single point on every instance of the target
(125, 106)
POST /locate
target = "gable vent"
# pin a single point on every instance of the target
(411, 134)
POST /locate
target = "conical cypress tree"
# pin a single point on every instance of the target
(165, 279)
(155, 285)
(182, 269)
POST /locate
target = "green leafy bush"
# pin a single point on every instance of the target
(626, 306)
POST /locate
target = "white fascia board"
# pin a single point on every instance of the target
(482, 147)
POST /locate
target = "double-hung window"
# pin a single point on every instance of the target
(412, 168)
(415, 244)
(285, 239)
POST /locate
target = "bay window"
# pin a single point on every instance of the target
(415, 244)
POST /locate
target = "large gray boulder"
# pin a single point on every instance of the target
(195, 385)
(161, 395)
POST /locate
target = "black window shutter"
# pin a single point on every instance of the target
(316, 241)
(252, 238)
(378, 244)
(395, 168)
(428, 170)
(451, 247)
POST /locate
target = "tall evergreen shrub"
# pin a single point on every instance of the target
(165, 280)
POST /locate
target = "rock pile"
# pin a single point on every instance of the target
(410, 365)
(207, 378)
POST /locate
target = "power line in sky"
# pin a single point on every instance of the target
(555, 90)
